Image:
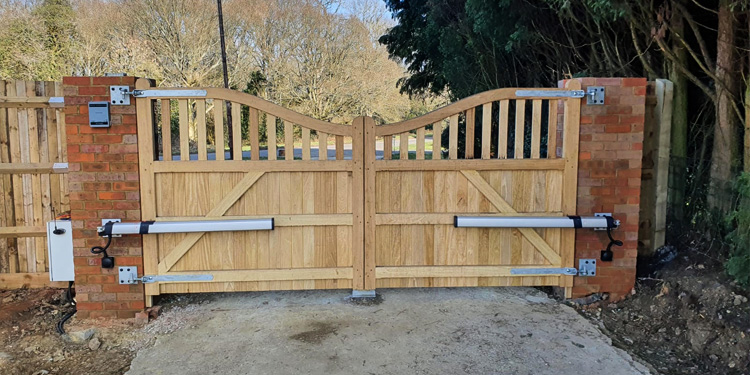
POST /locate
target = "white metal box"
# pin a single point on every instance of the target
(60, 251)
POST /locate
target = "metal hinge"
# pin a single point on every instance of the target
(551, 94)
(586, 267)
(169, 93)
(129, 275)
(568, 271)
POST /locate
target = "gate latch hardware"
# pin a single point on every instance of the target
(595, 95)
(129, 275)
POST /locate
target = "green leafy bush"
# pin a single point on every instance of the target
(738, 265)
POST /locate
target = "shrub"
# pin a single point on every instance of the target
(738, 264)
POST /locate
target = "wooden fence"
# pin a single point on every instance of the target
(32, 140)
(355, 217)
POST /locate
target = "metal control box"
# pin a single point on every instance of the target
(99, 114)
(60, 250)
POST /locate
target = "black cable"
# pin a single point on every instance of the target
(69, 297)
(102, 250)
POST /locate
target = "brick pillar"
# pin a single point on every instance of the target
(609, 180)
(104, 184)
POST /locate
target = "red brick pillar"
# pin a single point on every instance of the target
(103, 164)
(609, 180)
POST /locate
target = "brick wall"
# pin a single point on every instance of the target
(104, 184)
(609, 180)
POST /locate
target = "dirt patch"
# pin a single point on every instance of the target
(317, 333)
(29, 343)
(687, 318)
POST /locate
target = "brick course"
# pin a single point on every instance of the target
(609, 180)
(103, 165)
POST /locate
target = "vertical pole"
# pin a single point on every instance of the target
(571, 131)
(226, 78)
(369, 202)
(358, 204)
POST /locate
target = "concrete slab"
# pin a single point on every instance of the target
(413, 331)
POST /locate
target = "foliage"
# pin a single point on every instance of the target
(738, 265)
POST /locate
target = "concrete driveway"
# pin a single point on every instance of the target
(413, 331)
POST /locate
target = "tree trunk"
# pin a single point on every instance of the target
(746, 155)
(679, 120)
(724, 155)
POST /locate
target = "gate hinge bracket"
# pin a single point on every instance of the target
(595, 95)
(129, 275)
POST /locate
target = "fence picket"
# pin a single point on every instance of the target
(420, 143)
(453, 138)
(200, 124)
(470, 128)
(218, 128)
(166, 130)
(403, 148)
(271, 135)
(184, 120)
(305, 144)
(552, 130)
(520, 135)
(387, 147)
(437, 138)
(254, 134)
(486, 130)
(502, 139)
(536, 128)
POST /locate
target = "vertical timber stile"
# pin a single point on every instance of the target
(571, 130)
(146, 158)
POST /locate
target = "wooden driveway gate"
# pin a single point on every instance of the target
(358, 216)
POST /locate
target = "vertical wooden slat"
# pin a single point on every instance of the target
(7, 260)
(470, 127)
(453, 138)
(148, 190)
(388, 147)
(184, 119)
(17, 180)
(31, 189)
(253, 130)
(322, 146)
(53, 151)
(359, 158)
(44, 203)
(437, 140)
(339, 147)
(570, 179)
(486, 130)
(552, 130)
(62, 150)
(218, 128)
(288, 141)
(200, 123)
(271, 135)
(305, 144)
(420, 143)
(166, 130)
(520, 122)
(502, 137)
(403, 148)
(237, 131)
(536, 128)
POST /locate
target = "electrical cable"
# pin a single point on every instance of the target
(102, 250)
(608, 255)
(69, 296)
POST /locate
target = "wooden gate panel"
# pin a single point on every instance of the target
(313, 201)
(518, 173)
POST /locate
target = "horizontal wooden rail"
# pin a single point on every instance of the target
(28, 280)
(470, 164)
(13, 232)
(442, 218)
(278, 220)
(257, 166)
(455, 271)
(286, 274)
(31, 102)
(32, 168)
